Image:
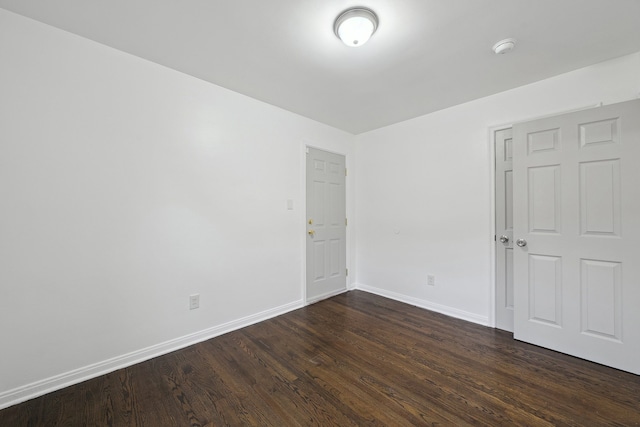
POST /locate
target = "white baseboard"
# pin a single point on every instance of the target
(438, 308)
(38, 388)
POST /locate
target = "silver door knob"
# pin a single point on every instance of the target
(504, 239)
(521, 242)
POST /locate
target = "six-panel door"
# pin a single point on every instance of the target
(326, 224)
(577, 215)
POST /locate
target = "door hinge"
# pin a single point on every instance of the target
(345, 171)
(494, 238)
(347, 271)
(345, 222)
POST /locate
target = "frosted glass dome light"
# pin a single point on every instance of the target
(355, 26)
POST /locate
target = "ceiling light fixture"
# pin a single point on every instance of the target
(504, 46)
(355, 26)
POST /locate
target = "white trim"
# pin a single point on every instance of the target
(308, 144)
(438, 308)
(492, 242)
(38, 388)
(304, 148)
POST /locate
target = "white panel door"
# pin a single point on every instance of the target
(577, 208)
(326, 224)
(504, 229)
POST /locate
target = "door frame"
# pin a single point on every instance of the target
(302, 217)
(492, 237)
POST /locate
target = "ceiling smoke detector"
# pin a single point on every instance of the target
(504, 46)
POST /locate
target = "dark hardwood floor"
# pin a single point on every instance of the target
(355, 359)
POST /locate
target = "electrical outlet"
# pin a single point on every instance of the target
(431, 280)
(194, 301)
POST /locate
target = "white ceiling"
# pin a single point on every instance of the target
(426, 55)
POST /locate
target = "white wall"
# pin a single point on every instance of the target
(124, 188)
(424, 189)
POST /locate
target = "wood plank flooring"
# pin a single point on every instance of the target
(353, 360)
